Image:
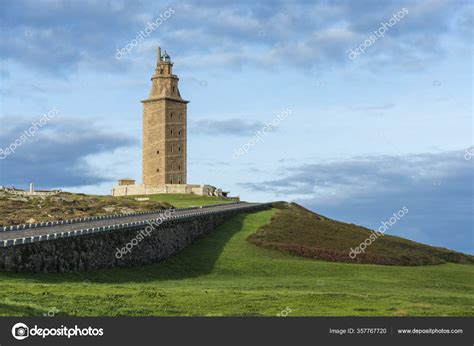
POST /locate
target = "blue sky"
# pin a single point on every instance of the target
(365, 136)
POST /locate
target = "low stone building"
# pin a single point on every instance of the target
(126, 182)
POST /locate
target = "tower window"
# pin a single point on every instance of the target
(171, 181)
(157, 151)
(179, 149)
(171, 115)
(173, 89)
(179, 167)
(171, 132)
(157, 169)
(179, 181)
(179, 133)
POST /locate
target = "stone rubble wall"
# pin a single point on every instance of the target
(98, 250)
(28, 193)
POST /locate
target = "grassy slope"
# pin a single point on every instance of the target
(16, 210)
(224, 274)
(184, 200)
(298, 231)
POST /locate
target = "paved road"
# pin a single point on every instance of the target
(34, 232)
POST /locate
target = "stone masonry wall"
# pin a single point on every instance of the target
(134, 190)
(99, 250)
(131, 190)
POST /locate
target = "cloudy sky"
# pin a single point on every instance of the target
(366, 135)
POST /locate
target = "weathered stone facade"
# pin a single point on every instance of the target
(164, 128)
(201, 190)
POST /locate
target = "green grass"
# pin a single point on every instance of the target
(224, 274)
(185, 200)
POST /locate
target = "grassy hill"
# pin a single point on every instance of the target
(298, 231)
(225, 274)
(185, 200)
(16, 210)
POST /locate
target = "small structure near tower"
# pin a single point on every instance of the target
(126, 181)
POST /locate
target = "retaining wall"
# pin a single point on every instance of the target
(102, 249)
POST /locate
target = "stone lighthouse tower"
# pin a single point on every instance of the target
(164, 166)
(164, 128)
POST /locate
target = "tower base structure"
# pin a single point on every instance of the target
(142, 189)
